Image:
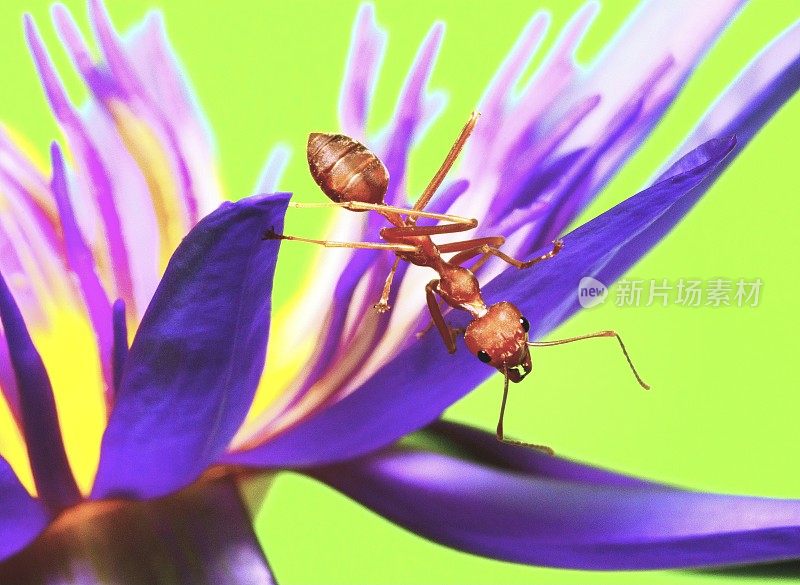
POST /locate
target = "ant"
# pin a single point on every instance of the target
(354, 178)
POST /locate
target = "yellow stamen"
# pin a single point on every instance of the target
(12, 448)
(69, 351)
(282, 368)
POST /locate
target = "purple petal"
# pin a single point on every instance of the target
(140, 98)
(415, 388)
(576, 520)
(81, 262)
(273, 169)
(111, 46)
(21, 517)
(198, 355)
(30, 240)
(415, 109)
(754, 97)
(634, 95)
(8, 382)
(120, 345)
(24, 183)
(51, 472)
(367, 48)
(173, 98)
(143, 72)
(87, 153)
(131, 198)
(484, 448)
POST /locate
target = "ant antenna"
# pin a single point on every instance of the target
(642, 383)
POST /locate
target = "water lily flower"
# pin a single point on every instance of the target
(124, 468)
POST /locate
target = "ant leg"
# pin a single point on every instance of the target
(493, 251)
(271, 235)
(437, 179)
(501, 437)
(642, 383)
(436, 313)
(468, 249)
(387, 210)
(422, 333)
(382, 305)
(472, 245)
(394, 233)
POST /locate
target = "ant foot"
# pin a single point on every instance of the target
(270, 234)
(382, 307)
(541, 448)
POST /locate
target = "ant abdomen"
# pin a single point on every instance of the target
(345, 169)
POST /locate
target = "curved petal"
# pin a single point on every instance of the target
(414, 388)
(51, 471)
(468, 442)
(577, 520)
(194, 364)
(21, 517)
(760, 90)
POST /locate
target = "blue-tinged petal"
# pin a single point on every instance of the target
(541, 515)
(195, 362)
(547, 296)
(51, 472)
(21, 517)
(418, 384)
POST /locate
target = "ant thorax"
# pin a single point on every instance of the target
(460, 289)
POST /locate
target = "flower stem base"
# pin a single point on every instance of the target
(201, 535)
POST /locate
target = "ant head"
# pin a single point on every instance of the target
(345, 169)
(499, 338)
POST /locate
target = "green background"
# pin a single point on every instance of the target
(722, 414)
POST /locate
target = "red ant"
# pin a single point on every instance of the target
(356, 179)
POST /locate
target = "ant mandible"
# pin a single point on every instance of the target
(355, 178)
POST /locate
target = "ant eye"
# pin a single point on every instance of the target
(484, 357)
(525, 325)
